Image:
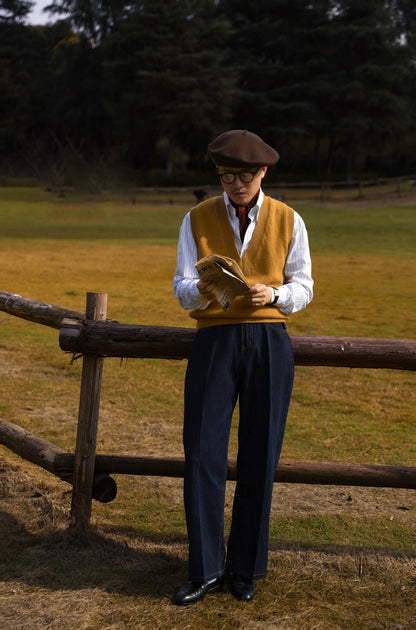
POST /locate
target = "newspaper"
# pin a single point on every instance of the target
(226, 274)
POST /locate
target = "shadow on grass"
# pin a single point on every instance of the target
(122, 561)
(116, 561)
(342, 549)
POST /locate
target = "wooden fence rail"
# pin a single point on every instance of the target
(52, 458)
(94, 337)
(123, 340)
(111, 339)
(61, 463)
(38, 312)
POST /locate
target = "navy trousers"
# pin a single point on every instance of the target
(251, 363)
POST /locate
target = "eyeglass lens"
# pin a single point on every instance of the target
(244, 176)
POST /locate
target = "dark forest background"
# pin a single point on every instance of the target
(122, 92)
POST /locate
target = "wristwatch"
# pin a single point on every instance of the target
(275, 295)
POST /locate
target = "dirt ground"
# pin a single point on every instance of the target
(114, 581)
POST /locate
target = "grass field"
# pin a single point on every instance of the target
(340, 557)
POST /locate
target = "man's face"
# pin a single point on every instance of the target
(239, 191)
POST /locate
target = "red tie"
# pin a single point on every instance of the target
(242, 213)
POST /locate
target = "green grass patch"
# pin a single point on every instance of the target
(341, 530)
(346, 230)
(338, 228)
(35, 215)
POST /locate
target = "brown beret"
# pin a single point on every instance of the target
(241, 148)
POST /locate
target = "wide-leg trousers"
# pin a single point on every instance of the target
(251, 363)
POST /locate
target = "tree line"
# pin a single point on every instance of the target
(118, 91)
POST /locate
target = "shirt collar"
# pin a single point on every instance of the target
(253, 210)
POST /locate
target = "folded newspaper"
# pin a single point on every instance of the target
(226, 274)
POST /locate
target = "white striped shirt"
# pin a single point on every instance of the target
(294, 294)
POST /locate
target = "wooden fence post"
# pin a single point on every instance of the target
(89, 406)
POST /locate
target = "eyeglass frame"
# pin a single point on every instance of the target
(246, 180)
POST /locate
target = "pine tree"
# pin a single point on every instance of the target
(335, 72)
(167, 86)
(15, 11)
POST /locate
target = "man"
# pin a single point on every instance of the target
(245, 353)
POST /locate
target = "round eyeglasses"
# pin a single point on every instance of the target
(228, 177)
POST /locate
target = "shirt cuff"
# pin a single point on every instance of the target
(284, 293)
(199, 300)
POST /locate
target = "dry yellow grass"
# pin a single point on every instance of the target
(122, 579)
(340, 557)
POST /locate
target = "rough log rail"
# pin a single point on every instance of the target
(60, 463)
(38, 312)
(124, 340)
(52, 458)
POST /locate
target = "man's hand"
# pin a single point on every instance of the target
(206, 289)
(259, 295)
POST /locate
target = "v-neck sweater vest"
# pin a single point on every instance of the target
(263, 261)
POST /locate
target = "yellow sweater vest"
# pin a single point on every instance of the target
(263, 261)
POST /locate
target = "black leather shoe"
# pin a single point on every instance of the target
(241, 588)
(194, 592)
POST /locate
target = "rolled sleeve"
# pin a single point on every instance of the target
(297, 290)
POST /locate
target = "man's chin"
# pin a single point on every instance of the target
(241, 199)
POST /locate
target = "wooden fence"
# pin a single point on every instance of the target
(325, 191)
(94, 336)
